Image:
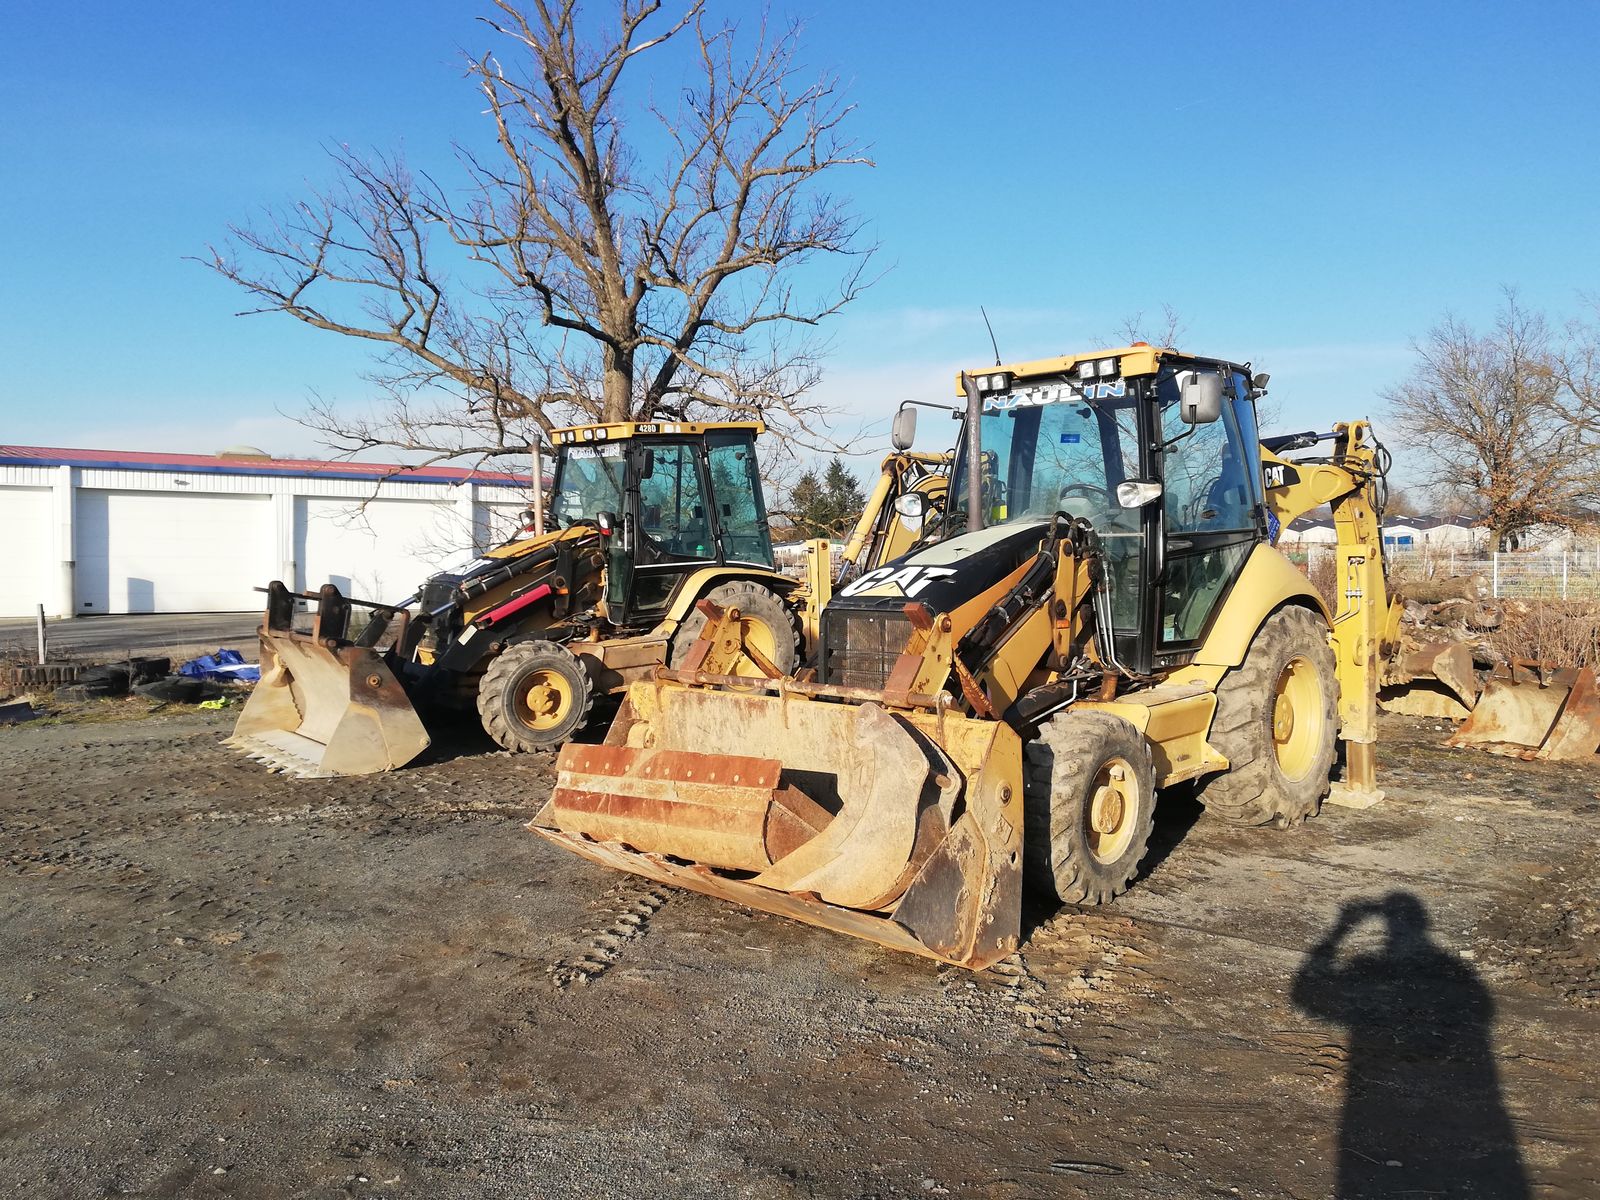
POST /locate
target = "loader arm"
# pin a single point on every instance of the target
(1366, 623)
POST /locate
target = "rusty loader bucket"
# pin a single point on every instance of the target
(902, 827)
(327, 705)
(1531, 712)
(1438, 679)
(1526, 710)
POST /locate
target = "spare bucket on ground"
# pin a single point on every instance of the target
(326, 705)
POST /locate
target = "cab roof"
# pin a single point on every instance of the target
(620, 431)
(1140, 358)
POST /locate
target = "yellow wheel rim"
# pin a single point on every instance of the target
(1297, 718)
(757, 635)
(1113, 810)
(543, 699)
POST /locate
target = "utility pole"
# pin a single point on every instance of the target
(538, 489)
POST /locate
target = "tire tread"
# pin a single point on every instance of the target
(1252, 791)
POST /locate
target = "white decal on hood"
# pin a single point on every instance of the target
(910, 580)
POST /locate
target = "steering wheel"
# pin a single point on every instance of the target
(1089, 490)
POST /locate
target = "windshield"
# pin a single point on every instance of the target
(1050, 449)
(588, 481)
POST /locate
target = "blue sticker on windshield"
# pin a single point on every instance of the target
(1069, 438)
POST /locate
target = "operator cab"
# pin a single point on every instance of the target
(670, 497)
(1159, 452)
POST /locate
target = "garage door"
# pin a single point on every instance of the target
(501, 521)
(381, 551)
(154, 552)
(27, 578)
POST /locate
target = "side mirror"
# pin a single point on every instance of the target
(1136, 493)
(648, 467)
(1200, 401)
(904, 430)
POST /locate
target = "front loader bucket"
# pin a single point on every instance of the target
(1532, 717)
(903, 828)
(325, 706)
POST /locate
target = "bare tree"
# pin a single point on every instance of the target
(1166, 330)
(603, 257)
(1496, 424)
(1169, 330)
(1578, 364)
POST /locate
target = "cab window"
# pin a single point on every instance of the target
(673, 516)
(736, 484)
(1209, 486)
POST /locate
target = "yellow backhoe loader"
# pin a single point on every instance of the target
(1105, 616)
(649, 520)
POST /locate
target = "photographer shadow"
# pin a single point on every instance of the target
(1423, 1113)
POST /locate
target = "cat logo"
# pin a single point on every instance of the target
(1278, 475)
(910, 580)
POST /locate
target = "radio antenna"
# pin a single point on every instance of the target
(992, 343)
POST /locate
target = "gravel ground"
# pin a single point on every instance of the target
(221, 982)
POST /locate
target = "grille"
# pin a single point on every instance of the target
(860, 648)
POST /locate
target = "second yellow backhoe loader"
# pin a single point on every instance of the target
(650, 518)
(1105, 616)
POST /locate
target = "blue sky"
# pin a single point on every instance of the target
(1309, 186)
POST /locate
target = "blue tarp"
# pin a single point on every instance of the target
(225, 666)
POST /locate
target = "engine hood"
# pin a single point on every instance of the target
(947, 574)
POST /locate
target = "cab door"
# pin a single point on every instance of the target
(740, 512)
(1211, 509)
(671, 529)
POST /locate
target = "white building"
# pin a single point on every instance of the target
(1399, 533)
(105, 531)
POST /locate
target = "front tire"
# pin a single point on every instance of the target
(765, 622)
(1276, 722)
(1088, 806)
(534, 696)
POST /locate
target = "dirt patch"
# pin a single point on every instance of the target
(223, 982)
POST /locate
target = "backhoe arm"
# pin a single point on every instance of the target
(879, 535)
(1365, 623)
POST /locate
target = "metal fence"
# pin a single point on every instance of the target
(1527, 574)
(790, 558)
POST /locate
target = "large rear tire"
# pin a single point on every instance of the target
(1276, 721)
(766, 622)
(1088, 806)
(534, 696)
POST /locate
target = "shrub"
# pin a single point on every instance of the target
(1564, 633)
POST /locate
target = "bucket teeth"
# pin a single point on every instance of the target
(277, 758)
(327, 709)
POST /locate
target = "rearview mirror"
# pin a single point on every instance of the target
(904, 430)
(1136, 493)
(648, 467)
(1200, 401)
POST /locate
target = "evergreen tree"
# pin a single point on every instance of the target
(827, 505)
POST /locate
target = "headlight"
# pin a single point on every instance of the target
(1106, 367)
(1086, 369)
